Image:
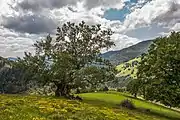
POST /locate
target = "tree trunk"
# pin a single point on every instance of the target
(57, 92)
(62, 90)
(135, 95)
(3, 91)
(144, 92)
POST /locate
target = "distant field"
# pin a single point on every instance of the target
(130, 69)
(95, 106)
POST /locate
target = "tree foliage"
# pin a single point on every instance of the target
(133, 87)
(11, 79)
(60, 60)
(92, 77)
(159, 71)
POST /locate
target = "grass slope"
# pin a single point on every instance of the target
(112, 99)
(96, 106)
(127, 68)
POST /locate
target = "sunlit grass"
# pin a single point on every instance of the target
(49, 108)
(112, 99)
(132, 71)
(95, 106)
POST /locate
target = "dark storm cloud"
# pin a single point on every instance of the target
(95, 3)
(38, 22)
(33, 24)
(37, 5)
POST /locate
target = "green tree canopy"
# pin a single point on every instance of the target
(159, 71)
(60, 60)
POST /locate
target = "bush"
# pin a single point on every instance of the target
(72, 97)
(78, 91)
(127, 104)
(105, 88)
(87, 90)
(123, 89)
(42, 90)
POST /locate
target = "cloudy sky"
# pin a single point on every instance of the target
(22, 22)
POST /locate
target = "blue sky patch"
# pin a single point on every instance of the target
(114, 14)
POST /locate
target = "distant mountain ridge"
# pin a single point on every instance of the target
(126, 54)
(121, 56)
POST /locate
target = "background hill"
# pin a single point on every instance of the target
(126, 54)
(127, 71)
(126, 61)
(128, 68)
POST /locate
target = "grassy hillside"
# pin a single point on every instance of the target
(124, 55)
(112, 99)
(126, 72)
(95, 106)
(128, 68)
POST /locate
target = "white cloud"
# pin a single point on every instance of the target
(21, 25)
(144, 16)
(42, 16)
(157, 11)
(13, 44)
(123, 41)
(176, 27)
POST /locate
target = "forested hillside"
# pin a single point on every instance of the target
(129, 53)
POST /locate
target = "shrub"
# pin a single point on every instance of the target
(78, 91)
(145, 110)
(87, 90)
(123, 89)
(127, 104)
(72, 97)
(105, 88)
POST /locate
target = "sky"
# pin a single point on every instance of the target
(23, 22)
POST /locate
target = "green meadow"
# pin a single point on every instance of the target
(95, 106)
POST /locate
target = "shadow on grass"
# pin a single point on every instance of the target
(158, 114)
(139, 111)
(142, 100)
(128, 96)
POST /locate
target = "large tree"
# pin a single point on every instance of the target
(159, 71)
(60, 60)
